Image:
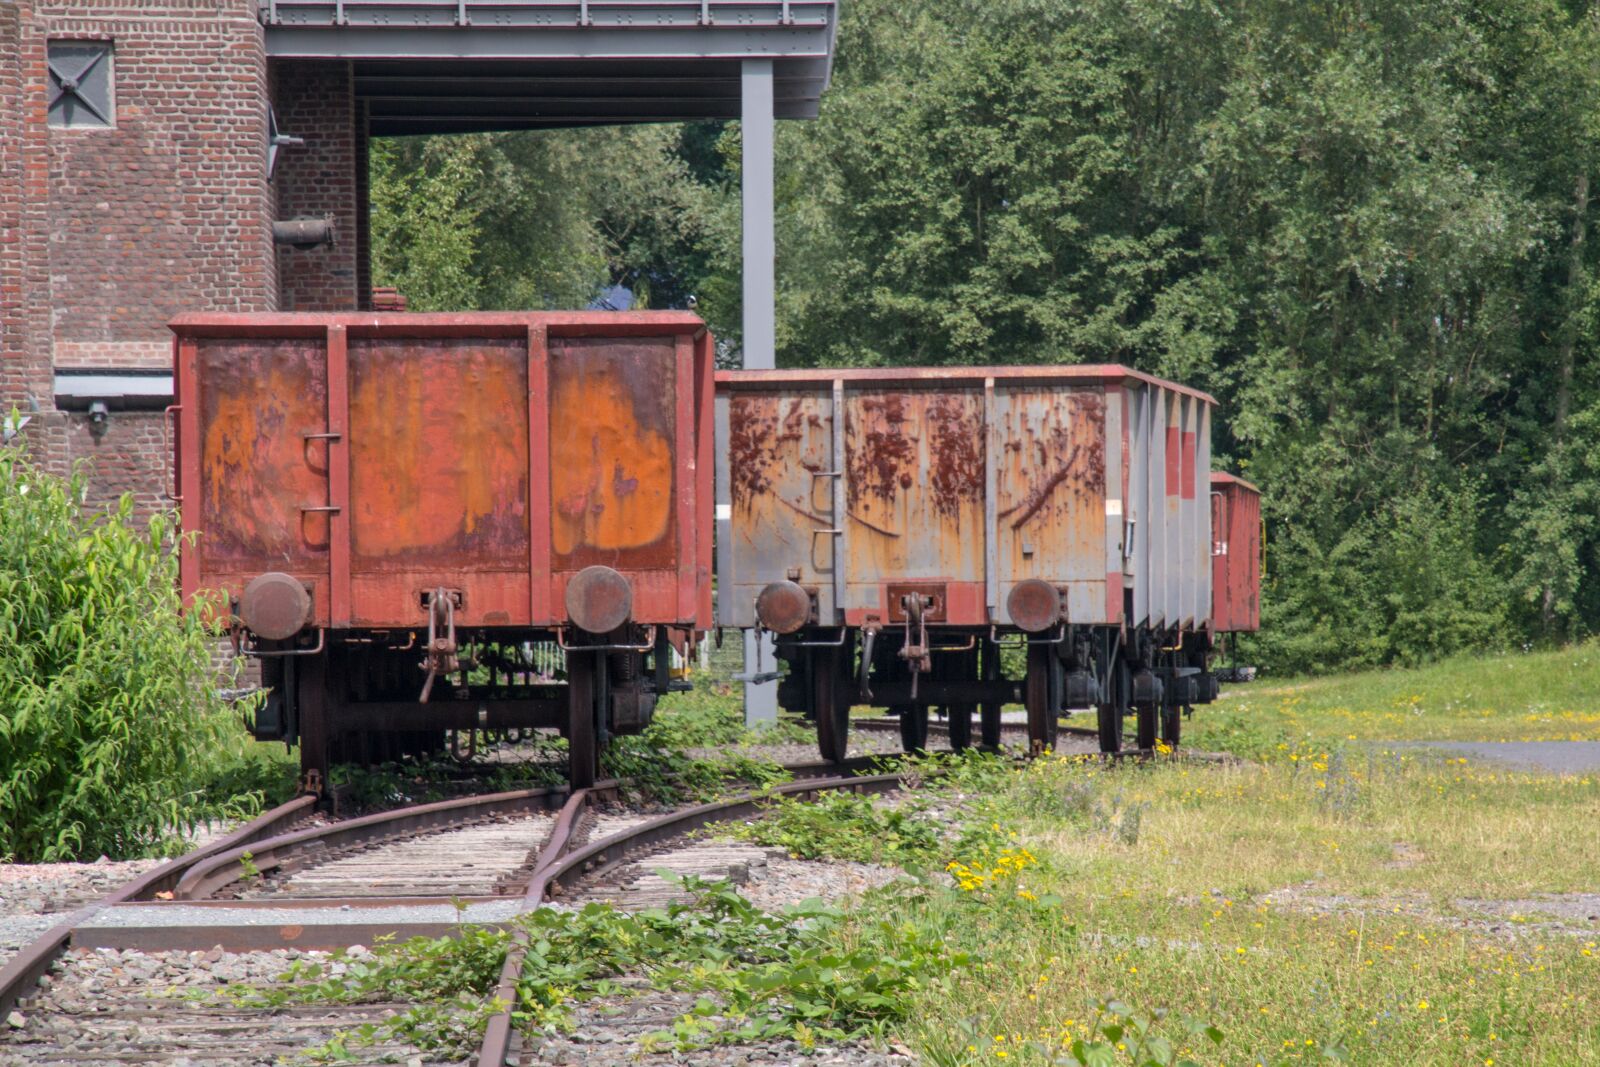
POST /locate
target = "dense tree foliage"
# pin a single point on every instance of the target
(1364, 226)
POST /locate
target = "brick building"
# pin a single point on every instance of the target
(151, 150)
(141, 191)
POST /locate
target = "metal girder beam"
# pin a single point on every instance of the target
(566, 42)
(414, 128)
(597, 15)
(450, 715)
(509, 117)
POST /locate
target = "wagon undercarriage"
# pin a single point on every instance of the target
(359, 698)
(972, 675)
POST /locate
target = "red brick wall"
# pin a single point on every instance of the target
(315, 101)
(25, 370)
(168, 211)
(109, 233)
(128, 457)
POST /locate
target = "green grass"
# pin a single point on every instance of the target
(1301, 906)
(1536, 696)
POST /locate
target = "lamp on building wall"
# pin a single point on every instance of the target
(99, 416)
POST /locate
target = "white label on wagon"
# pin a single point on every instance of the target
(724, 512)
(1113, 505)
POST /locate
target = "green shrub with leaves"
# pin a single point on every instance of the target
(843, 826)
(803, 972)
(111, 724)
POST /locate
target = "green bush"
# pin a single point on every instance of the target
(110, 719)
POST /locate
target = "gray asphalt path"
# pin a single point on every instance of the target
(1552, 757)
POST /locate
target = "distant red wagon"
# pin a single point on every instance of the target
(393, 507)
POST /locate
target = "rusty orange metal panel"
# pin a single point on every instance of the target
(445, 487)
(258, 402)
(438, 476)
(613, 427)
(914, 469)
(780, 472)
(1235, 554)
(1051, 494)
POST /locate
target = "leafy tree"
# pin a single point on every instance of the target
(1364, 226)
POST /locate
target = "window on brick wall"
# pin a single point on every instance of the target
(81, 84)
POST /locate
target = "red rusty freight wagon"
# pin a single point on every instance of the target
(894, 528)
(1235, 554)
(392, 507)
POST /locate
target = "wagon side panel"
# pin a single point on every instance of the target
(776, 484)
(619, 460)
(1050, 506)
(1136, 524)
(1201, 537)
(438, 478)
(1156, 507)
(257, 463)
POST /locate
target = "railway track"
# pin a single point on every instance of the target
(278, 887)
(243, 908)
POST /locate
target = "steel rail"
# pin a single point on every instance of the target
(561, 867)
(24, 969)
(886, 725)
(269, 842)
(221, 869)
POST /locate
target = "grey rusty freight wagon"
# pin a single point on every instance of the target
(896, 528)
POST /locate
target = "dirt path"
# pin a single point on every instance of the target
(1552, 757)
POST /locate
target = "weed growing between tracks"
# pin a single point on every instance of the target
(787, 974)
(845, 826)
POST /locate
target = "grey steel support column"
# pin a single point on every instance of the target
(760, 316)
(760, 329)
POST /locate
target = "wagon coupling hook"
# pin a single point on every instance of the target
(869, 637)
(440, 655)
(916, 653)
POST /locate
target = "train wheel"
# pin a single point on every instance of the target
(960, 726)
(914, 727)
(1148, 718)
(1171, 725)
(989, 714)
(829, 703)
(1113, 711)
(1037, 697)
(313, 690)
(583, 750)
(1110, 728)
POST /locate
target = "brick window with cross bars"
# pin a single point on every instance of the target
(81, 85)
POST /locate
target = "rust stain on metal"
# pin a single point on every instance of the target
(915, 470)
(1052, 482)
(611, 448)
(438, 453)
(957, 456)
(885, 457)
(752, 445)
(257, 469)
(1072, 449)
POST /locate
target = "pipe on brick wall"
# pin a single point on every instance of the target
(303, 233)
